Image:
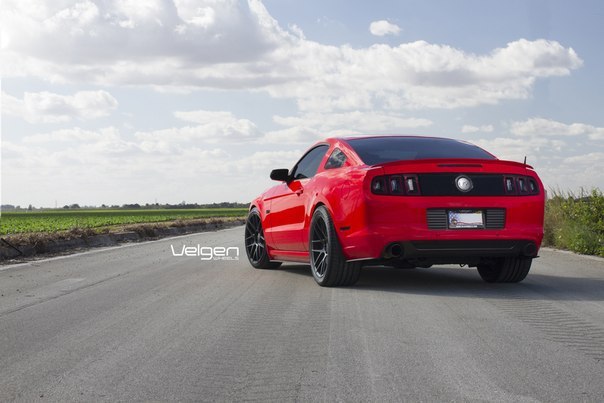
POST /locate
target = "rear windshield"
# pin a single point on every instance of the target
(379, 150)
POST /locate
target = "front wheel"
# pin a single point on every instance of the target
(328, 264)
(255, 244)
(505, 270)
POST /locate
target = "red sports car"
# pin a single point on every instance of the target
(401, 201)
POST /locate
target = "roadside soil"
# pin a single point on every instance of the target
(31, 246)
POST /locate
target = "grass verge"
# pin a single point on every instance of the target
(575, 222)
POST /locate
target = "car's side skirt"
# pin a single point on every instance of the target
(289, 256)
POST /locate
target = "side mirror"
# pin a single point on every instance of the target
(280, 175)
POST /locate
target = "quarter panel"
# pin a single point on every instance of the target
(341, 191)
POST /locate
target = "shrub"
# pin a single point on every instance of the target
(575, 222)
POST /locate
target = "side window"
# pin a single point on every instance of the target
(309, 164)
(336, 159)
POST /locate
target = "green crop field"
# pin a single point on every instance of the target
(59, 220)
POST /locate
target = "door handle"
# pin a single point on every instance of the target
(299, 191)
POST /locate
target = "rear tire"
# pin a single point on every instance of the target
(255, 243)
(327, 261)
(506, 270)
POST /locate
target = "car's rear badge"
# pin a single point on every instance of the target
(463, 183)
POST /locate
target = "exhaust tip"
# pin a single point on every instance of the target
(530, 249)
(393, 251)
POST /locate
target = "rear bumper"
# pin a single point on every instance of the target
(404, 221)
(451, 251)
(480, 248)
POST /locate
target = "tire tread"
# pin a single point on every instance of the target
(339, 272)
(506, 270)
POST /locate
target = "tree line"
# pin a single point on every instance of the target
(181, 205)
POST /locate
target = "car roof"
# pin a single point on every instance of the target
(369, 136)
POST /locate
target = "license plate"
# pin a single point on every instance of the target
(465, 219)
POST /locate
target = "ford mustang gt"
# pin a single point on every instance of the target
(400, 201)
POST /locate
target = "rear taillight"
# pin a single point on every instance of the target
(397, 185)
(411, 185)
(509, 183)
(520, 185)
(378, 185)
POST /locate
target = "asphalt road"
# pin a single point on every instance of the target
(136, 323)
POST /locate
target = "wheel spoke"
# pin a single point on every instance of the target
(320, 263)
(323, 265)
(321, 259)
(255, 227)
(322, 231)
(250, 225)
(258, 252)
(315, 233)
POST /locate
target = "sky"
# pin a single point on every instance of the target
(124, 101)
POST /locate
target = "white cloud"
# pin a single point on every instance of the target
(577, 172)
(265, 161)
(75, 134)
(192, 12)
(108, 42)
(547, 127)
(205, 117)
(313, 126)
(515, 149)
(48, 107)
(477, 129)
(61, 163)
(233, 44)
(383, 27)
(76, 17)
(417, 74)
(354, 121)
(212, 133)
(294, 134)
(12, 106)
(131, 13)
(566, 156)
(586, 159)
(212, 127)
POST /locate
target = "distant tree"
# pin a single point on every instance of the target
(30, 207)
(74, 205)
(66, 206)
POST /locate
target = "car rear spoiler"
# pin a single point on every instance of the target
(455, 163)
